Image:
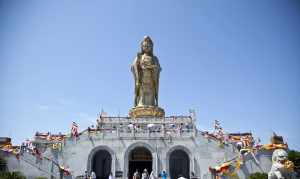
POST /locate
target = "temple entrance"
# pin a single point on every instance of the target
(101, 164)
(179, 164)
(140, 158)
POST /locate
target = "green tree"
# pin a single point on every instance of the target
(17, 175)
(258, 175)
(12, 175)
(40, 177)
(2, 164)
(294, 156)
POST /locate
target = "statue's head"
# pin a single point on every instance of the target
(147, 46)
(279, 156)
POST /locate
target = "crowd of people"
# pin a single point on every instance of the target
(92, 175)
(137, 175)
(162, 175)
(144, 175)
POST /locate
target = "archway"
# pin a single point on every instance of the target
(179, 164)
(140, 158)
(101, 164)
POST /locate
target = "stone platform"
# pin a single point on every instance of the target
(146, 111)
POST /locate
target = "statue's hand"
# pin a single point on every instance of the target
(152, 66)
(149, 66)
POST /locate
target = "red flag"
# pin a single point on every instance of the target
(74, 129)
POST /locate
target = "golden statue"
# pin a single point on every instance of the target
(146, 69)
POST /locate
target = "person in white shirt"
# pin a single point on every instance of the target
(136, 174)
(145, 174)
(111, 176)
(181, 177)
(93, 175)
(152, 176)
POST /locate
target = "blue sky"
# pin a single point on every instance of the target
(233, 61)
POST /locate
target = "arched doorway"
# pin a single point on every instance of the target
(179, 164)
(101, 164)
(140, 158)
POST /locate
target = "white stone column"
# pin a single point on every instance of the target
(156, 165)
(113, 163)
(193, 165)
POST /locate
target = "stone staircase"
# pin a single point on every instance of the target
(44, 165)
(32, 166)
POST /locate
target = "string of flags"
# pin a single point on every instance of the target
(230, 168)
(245, 144)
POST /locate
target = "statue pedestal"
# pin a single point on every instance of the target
(146, 111)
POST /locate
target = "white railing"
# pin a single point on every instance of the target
(125, 127)
(142, 128)
(145, 120)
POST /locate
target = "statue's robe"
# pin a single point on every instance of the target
(146, 71)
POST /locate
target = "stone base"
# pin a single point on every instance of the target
(146, 111)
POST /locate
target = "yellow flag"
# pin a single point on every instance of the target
(238, 164)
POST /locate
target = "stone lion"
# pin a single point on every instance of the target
(282, 168)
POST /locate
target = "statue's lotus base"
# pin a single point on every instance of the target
(146, 111)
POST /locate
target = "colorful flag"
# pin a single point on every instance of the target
(217, 125)
(74, 129)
